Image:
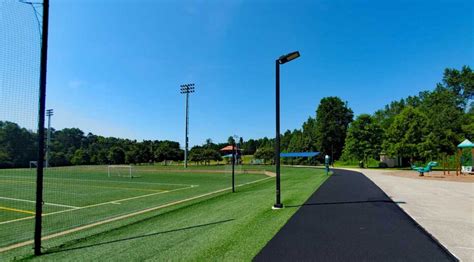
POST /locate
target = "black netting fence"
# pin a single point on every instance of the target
(20, 45)
(91, 183)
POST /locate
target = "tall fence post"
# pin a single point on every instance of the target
(41, 116)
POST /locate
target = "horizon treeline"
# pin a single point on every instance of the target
(423, 127)
(70, 146)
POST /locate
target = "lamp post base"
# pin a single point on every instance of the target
(277, 206)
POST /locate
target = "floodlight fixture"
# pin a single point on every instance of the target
(288, 57)
(187, 88)
(49, 112)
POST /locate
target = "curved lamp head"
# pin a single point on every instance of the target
(288, 57)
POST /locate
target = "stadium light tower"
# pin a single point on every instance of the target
(282, 60)
(186, 89)
(49, 114)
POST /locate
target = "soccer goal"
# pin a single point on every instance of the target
(120, 171)
(33, 164)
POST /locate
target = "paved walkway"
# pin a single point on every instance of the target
(443, 208)
(350, 219)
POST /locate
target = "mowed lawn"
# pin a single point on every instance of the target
(231, 226)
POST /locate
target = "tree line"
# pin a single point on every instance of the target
(70, 146)
(422, 127)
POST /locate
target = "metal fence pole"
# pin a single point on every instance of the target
(233, 167)
(41, 116)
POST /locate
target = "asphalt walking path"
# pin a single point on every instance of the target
(349, 218)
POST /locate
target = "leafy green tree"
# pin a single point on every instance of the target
(59, 159)
(386, 116)
(132, 155)
(116, 155)
(101, 157)
(230, 140)
(297, 142)
(265, 142)
(147, 151)
(285, 140)
(67, 140)
(167, 150)
(80, 157)
(249, 147)
(196, 154)
(5, 159)
(332, 120)
(468, 125)
(141, 153)
(364, 139)
(408, 135)
(445, 118)
(209, 155)
(265, 153)
(460, 82)
(309, 135)
(17, 145)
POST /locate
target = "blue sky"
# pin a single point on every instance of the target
(115, 66)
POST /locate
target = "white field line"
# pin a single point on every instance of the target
(29, 242)
(115, 202)
(95, 180)
(34, 202)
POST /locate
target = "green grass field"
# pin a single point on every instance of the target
(191, 216)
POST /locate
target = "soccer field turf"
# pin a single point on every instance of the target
(207, 226)
(78, 196)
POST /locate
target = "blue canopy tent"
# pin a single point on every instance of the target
(299, 154)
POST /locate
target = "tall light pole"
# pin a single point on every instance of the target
(234, 154)
(283, 59)
(49, 114)
(186, 89)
